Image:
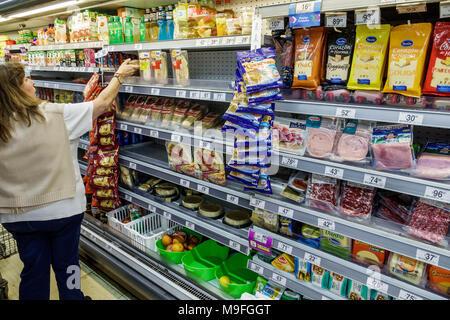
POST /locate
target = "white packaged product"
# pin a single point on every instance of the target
(159, 66)
(353, 143)
(144, 64)
(321, 136)
(289, 135)
(407, 269)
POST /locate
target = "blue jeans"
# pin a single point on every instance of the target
(44, 243)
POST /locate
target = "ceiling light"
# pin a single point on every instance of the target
(45, 9)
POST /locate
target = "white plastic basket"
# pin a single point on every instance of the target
(116, 217)
(146, 231)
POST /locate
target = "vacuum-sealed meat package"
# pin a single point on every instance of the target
(321, 136)
(289, 135)
(395, 206)
(352, 145)
(434, 162)
(323, 192)
(356, 200)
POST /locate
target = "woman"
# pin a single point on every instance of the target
(41, 191)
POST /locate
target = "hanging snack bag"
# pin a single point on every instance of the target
(340, 50)
(180, 66)
(158, 64)
(321, 136)
(434, 162)
(289, 135)
(352, 145)
(437, 81)
(309, 46)
(369, 57)
(407, 52)
(245, 120)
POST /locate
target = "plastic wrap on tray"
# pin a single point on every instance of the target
(180, 158)
(158, 64)
(138, 108)
(396, 99)
(127, 108)
(209, 166)
(156, 109)
(395, 206)
(180, 66)
(289, 135)
(265, 219)
(323, 192)
(356, 200)
(195, 113)
(179, 114)
(321, 136)
(167, 112)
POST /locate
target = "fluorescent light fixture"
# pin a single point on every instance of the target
(45, 9)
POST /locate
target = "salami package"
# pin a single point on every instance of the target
(323, 192)
(408, 49)
(352, 144)
(437, 81)
(289, 135)
(321, 136)
(309, 54)
(434, 162)
(395, 206)
(284, 46)
(356, 200)
(339, 58)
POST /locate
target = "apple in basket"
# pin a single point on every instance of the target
(166, 240)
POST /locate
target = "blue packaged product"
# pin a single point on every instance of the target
(264, 96)
(302, 269)
(248, 180)
(252, 171)
(263, 186)
(290, 227)
(126, 138)
(266, 108)
(119, 138)
(310, 236)
(258, 69)
(134, 138)
(245, 120)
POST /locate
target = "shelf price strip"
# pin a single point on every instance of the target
(405, 295)
(257, 203)
(437, 194)
(427, 257)
(374, 283)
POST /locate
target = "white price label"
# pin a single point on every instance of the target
(45, 85)
(194, 94)
(138, 46)
(83, 69)
(262, 238)
(326, 224)
(128, 89)
(345, 113)
(56, 86)
(377, 284)
(234, 245)
(437, 194)
(128, 198)
(206, 145)
(444, 10)
(180, 93)
(202, 189)
(375, 181)
(334, 172)
(277, 24)
(232, 199)
(201, 43)
(185, 183)
(230, 40)
(338, 21)
(205, 95)
(132, 165)
(154, 134)
(368, 17)
(279, 279)
(190, 225)
(214, 42)
(289, 162)
(286, 212)
(304, 7)
(175, 138)
(416, 8)
(315, 260)
(151, 208)
(167, 215)
(220, 97)
(257, 203)
(258, 269)
(155, 91)
(137, 130)
(123, 127)
(405, 295)
(427, 257)
(284, 247)
(256, 39)
(410, 118)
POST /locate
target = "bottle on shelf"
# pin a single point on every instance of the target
(142, 30)
(112, 30)
(128, 30)
(154, 28)
(170, 25)
(119, 30)
(162, 23)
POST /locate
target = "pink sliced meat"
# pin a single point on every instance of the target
(320, 142)
(324, 196)
(433, 166)
(356, 201)
(392, 156)
(352, 147)
(429, 222)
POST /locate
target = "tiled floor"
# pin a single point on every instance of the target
(92, 284)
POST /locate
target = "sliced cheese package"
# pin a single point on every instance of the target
(407, 52)
(407, 269)
(309, 56)
(369, 57)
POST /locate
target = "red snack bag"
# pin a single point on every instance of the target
(109, 158)
(104, 182)
(91, 85)
(106, 194)
(106, 128)
(437, 81)
(106, 204)
(102, 171)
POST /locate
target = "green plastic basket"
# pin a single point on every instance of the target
(176, 256)
(205, 259)
(242, 279)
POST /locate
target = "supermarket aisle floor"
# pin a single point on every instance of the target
(92, 283)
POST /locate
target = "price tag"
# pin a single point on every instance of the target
(151, 208)
(437, 194)
(257, 203)
(305, 7)
(137, 130)
(377, 284)
(256, 39)
(444, 9)
(128, 198)
(205, 95)
(128, 89)
(277, 24)
(230, 40)
(220, 97)
(416, 8)
(405, 295)
(175, 138)
(312, 259)
(111, 49)
(202, 189)
(185, 183)
(132, 165)
(194, 94)
(345, 113)
(284, 247)
(123, 127)
(427, 257)
(56, 86)
(286, 212)
(234, 245)
(410, 118)
(206, 145)
(214, 42)
(232, 199)
(155, 91)
(190, 225)
(154, 134)
(368, 17)
(167, 215)
(279, 279)
(375, 181)
(180, 94)
(138, 46)
(336, 20)
(258, 269)
(201, 43)
(326, 224)
(83, 69)
(334, 172)
(289, 162)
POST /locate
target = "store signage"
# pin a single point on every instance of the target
(410, 118)
(260, 242)
(257, 203)
(305, 14)
(334, 172)
(279, 279)
(155, 91)
(285, 212)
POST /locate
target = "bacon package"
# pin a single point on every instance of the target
(356, 200)
(408, 49)
(437, 81)
(323, 192)
(353, 143)
(289, 135)
(309, 55)
(321, 136)
(434, 162)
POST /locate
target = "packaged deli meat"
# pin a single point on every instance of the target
(180, 158)
(408, 48)
(309, 54)
(429, 221)
(299, 181)
(156, 108)
(439, 280)
(356, 200)
(289, 135)
(323, 192)
(434, 162)
(437, 81)
(392, 147)
(321, 136)
(395, 206)
(353, 143)
(369, 56)
(407, 269)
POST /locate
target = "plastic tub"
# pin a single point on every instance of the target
(242, 279)
(176, 257)
(205, 259)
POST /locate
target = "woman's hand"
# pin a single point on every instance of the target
(128, 68)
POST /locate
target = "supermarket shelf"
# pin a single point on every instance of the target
(348, 269)
(416, 116)
(83, 169)
(288, 280)
(380, 233)
(234, 238)
(281, 10)
(63, 69)
(70, 86)
(69, 46)
(228, 42)
(17, 47)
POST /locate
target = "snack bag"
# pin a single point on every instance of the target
(340, 50)
(180, 66)
(437, 81)
(407, 52)
(309, 46)
(369, 57)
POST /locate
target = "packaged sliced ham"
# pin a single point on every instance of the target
(289, 135)
(437, 81)
(429, 221)
(434, 162)
(321, 136)
(356, 200)
(392, 147)
(352, 145)
(323, 192)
